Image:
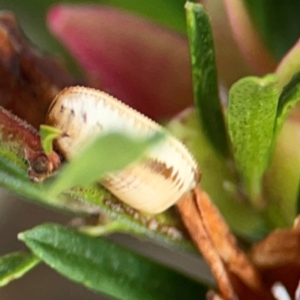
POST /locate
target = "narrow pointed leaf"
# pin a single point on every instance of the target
(106, 267)
(287, 100)
(205, 79)
(288, 66)
(106, 153)
(251, 119)
(15, 265)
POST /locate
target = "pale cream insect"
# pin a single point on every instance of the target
(152, 184)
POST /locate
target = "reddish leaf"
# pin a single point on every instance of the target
(127, 56)
(277, 257)
(249, 41)
(235, 274)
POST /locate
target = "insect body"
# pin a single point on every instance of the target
(166, 172)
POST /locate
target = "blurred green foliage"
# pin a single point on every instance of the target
(278, 22)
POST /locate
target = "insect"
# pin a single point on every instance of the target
(153, 184)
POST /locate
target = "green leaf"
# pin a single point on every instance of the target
(106, 267)
(48, 134)
(251, 119)
(165, 228)
(287, 100)
(15, 265)
(219, 179)
(93, 199)
(105, 154)
(282, 176)
(205, 79)
(13, 176)
(289, 66)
